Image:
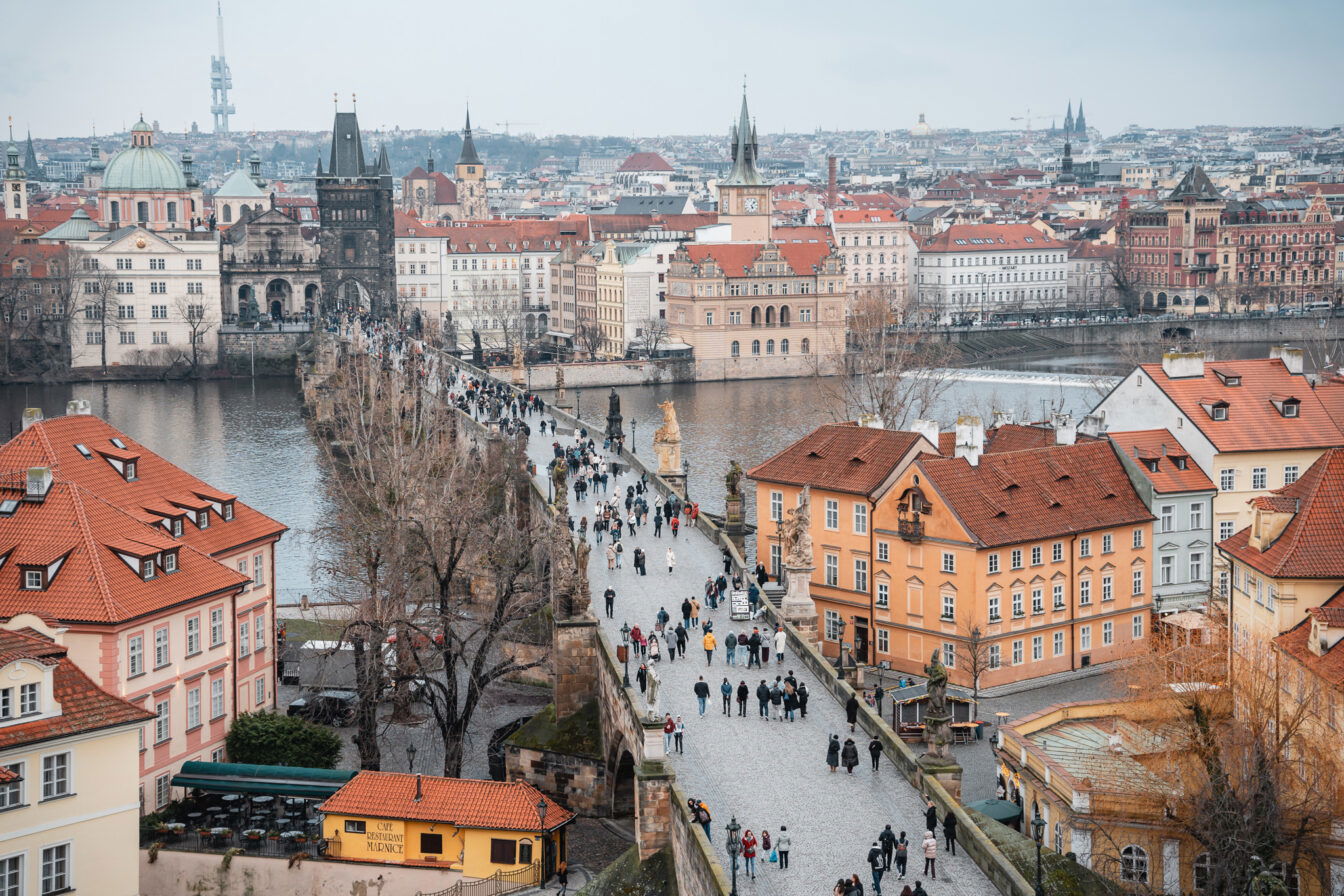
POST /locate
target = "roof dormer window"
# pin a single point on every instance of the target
(33, 580)
(1286, 405)
(1151, 464)
(1227, 377)
(170, 561)
(1216, 409)
(202, 519)
(128, 470)
(177, 526)
(1180, 462)
(147, 568)
(227, 511)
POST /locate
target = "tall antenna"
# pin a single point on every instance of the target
(221, 80)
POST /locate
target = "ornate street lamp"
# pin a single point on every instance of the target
(578, 405)
(541, 812)
(625, 642)
(634, 447)
(686, 478)
(410, 757)
(734, 847)
(1038, 834)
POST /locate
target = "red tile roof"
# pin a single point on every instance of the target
(841, 457)
(988, 238)
(1160, 446)
(463, 802)
(158, 484)
(1312, 544)
(865, 216)
(1008, 437)
(84, 706)
(1017, 496)
(1330, 393)
(645, 161)
(736, 259)
(1253, 423)
(1329, 666)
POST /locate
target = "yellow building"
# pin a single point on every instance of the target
(476, 828)
(611, 303)
(68, 763)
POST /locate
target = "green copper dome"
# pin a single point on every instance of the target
(143, 168)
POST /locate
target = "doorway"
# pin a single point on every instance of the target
(861, 642)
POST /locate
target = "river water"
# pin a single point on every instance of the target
(248, 437)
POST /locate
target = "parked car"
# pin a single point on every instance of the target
(335, 708)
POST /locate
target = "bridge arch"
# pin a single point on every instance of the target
(621, 773)
(1178, 333)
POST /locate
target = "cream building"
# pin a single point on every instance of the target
(989, 272)
(68, 754)
(876, 246)
(631, 297)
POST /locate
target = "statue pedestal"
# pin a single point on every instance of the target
(797, 606)
(946, 771)
(519, 377)
(733, 519)
(678, 482)
(938, 738)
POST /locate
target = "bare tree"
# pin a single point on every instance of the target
(973, 655)
(99, 305)
(653, 335)
(588, 334)
(199, 320)
(896, 376)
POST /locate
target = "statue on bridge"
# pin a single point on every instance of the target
(798, 532)
(615, 427)
(734, 479)
(667, 441)
(654, 684)
(559, 470)
(937, 733)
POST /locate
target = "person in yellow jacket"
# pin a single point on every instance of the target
(710, 644)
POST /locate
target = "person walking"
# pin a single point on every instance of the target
(782, 846)
(832, 750)
(562, 878)
(875, 750)
(620, 552)
(748, 848)
(709, 643)
(702, 693)
(878, 693)
(640, 559)
(730, 648)
(657, 525)
(609, 598)
(642, 677)
(802, 698)
(875, 864)
(888, 841)
(919, 890)
(743, 692)
(669, 728)
(726, 689)
(790, 698)
(681, 636)
(901, 855)
(686, 612)
(849, 755)
(677, 733)
(754, 649)
(671, 561)
(930, 855)
(950, 833)
(777, 699)
(852, 710)
(675, 523)
(611, 556)
(780, 640)
(695, 613)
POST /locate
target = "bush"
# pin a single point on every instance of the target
(267, 738)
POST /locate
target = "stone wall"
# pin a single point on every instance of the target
(579, 782)
(274, 352)
(574, 659)
(202, 874)
(698, 870)
(590, 374)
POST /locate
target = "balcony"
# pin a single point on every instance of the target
(911, 530)
(1202, 268)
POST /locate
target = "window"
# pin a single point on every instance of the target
(994, 608)
(242, 568)
(217, 698)
(833, 625)
(162, 731)
(993, 563)
(135, 655)
(1057, 552)
(193, 708)
(1017, 604)
(1197, 515)
(1107, 634)
(995, 656)
(244, 640)
(883, 641)
(1085, 638)
(1138, 538)
(503, 852)
(1107, 545)
(1227, 480)
(353, 826)
(949, 607)
(883, 551)
(1259, 477)
(160, 648)
(1138, 582)
(1037, 601)
(1202, 869)
(883, 595)
(56, 865)
(1084, 592)
(1036, 555)
(1138, 626)
(949, 561)
(216, 628)
(1057, 595)
(1059, 643)
(1168, 569)
(431, 844)
(709, 318)
(193, 629)
(1017, 653)
(776, 506)
(1289, 474)
(1168, 515)
(259, 630)
(736, 349)
(860, 573)
(55, 776)
(1197, 566)
(860, 519)
(832, 570)
(1107, 590)
(32, 579)
(1016, 558)
(202, 519)
(260, 688)
(1038, 647)
(1134, 864)
(11, 795)
(832, 514)
(1084, 547)
(1225, 529)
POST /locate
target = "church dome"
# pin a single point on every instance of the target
(141, 166)
(922, 128)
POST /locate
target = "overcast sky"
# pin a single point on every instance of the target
(638, 68)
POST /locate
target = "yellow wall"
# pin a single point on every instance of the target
(1232, 505)
(394, 841)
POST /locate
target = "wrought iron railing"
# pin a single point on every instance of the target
(495, 885)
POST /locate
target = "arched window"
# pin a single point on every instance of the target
(770, 315)
(783, 346)
(770, 346)
(1134, 864)
(755, 315)
(735, 349)
(784, 315)
(807, 346)
(755, 346)
(1201, 870)
(142, 212)
(228, 214)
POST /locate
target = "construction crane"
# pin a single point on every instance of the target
(1028, 118)
(505, 125)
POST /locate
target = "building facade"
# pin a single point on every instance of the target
(989, 272)
(268, 263)
(876, 245)
(356, 239)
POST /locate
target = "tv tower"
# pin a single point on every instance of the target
(220, 80)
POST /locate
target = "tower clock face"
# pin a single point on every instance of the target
(751, 204)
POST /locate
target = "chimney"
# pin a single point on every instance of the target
(1004, 418)
(832, 192)
(1066, 431)
(31, 416)
(928, 429)
(39, 483)
(870, 421)
(970, 439)
(418, 793)
(1093, 424)
(1290, 356)
(1181, 365)
(78, 406)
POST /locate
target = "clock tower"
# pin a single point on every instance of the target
(744, 196)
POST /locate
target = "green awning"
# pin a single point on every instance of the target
(1000, 810)
(276, 780)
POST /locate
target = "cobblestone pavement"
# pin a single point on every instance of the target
(766, 773)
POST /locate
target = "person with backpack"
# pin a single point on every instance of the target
(703, 818)
(675, 524)
(888, 841)
(730, 648)
(681, 636)
(901, 855)
(777, 699)
(875, 864)
(620, 552)
(754, 649)
(875, 750)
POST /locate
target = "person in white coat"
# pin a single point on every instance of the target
(671, 561)
(780, 640)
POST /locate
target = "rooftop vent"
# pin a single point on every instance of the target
(31, 416)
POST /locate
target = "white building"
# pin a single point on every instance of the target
(877, 247)
(631, 283)
(989, 272)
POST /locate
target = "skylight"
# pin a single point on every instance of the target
(119, 444)
(82, 449)
(8, 506)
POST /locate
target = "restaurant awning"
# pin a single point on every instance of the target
(999, 810)
(277, 780)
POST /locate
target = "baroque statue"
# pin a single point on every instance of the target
(797, 531)
(937, 686)
(667, 441)
(734, 479)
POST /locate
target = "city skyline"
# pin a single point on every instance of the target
(848, 74)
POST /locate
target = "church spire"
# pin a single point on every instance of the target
(1080, 123)
(744, 149)
(1068, 119)
(468, 156)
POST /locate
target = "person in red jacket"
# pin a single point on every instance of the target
(749, 852)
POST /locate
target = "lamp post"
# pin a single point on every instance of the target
(634, 447)
(686, 478)
(840, 654)
(578, 405)
(1038, 833)
(734, 847)
(410, 757)
(541, 813)
(625, 642)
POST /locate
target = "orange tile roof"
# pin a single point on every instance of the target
(992, 238)
(1008, 437)
(840, 457)
(1312, 544)
(645, 161)
(1253, 423)
(1160, 446)
(463, 802)
(865, 216)
(736, 259)
(51, 443)
(1329, 666)
(1330, 393)
(1017, 496)
(84, 706)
